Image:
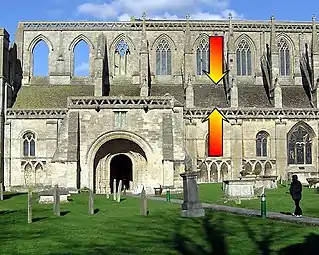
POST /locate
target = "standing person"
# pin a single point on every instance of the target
(295, 192)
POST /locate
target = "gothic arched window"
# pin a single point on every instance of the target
(284, 57)
(121, 56)
(28, 144)
(243, 57)
(261, 144)
(163, 58)
(202, 57)
(299, 146)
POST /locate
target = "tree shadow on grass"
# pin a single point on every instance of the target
(10, 195)
(64, 213)
(7, 212)
(215, 240)
(96, 211)
(38, 219)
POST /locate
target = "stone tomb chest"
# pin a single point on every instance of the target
(46, 197)
(239, 189)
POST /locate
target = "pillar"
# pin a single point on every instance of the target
(281, 148)
(236, 147)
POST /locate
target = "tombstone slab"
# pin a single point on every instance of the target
(191, 207)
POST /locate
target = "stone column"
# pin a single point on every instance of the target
(281, 147)
(144, 62)
(236, 147)
(191, 145)
(273, 52)
(188, 60)
(189, 93)
(192, 206)
(278, 94)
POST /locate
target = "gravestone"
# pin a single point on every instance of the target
(1, 190)
(56, 200)
(239, 189)
(114, 189)
(143, 203)
(191, 207)
(29, 206)
(91, 202)
(119, 190)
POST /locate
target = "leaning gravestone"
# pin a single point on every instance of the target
(143, 203)
(91, 202)
(29, 206)
(56, 200)
(119, 190)
(114, 189)
(1, 190)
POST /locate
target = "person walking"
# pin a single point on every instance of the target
(295, 192)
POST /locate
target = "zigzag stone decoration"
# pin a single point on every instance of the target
(221, 25)
(123, 102)
(36, 113)
(256, 113)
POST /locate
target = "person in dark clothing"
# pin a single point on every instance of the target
(295, 192)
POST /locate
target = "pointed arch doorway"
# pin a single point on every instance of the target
(121, 168)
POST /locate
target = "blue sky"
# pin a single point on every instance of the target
(101, 10)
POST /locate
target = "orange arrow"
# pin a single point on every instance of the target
(216, 59)
(215, 133)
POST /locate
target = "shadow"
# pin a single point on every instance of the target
(10, 195)
(64, 213)
(309, 246)
(286, 213)
(122, 199)
(39, 219)
(7, 212)
(70, 199)
(106, 74)
(96, 211)
(214, 235)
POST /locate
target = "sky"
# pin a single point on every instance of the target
(122, 10)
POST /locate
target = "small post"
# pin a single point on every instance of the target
(263, 206)
(29, 206)
(143, 203)
(124, 190)
(168, 195)
(119, 190)
(114, 189)
(91, 202)
(56, 200)
(1, 190)
(107, 192)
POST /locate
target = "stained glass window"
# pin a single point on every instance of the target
(28, 144)
(202, 56)
(163, 58)
(284, 57)
(299, 147)
(243, 57)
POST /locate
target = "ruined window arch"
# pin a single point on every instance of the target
(284, 57)
(262, 144)
(300, 146)
(121, 55)
(29, 143)
(202, 56)
(244, 59)
(40, 59)
(163, 58)
(81, 58)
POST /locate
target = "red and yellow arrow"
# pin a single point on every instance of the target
(215, 133)
(216, 59)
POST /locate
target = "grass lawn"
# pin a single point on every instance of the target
(117, 228)
(277, 199)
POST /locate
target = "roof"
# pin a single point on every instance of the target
(209, 96)
(177, 91)
(253, 96)
(33, 97)
(294, 97)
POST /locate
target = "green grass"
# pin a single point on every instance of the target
(277, 199)
(117, 228)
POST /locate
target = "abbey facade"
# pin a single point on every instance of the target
(142, 105)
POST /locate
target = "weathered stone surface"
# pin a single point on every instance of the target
(239, 189)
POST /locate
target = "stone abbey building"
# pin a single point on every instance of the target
(142, 105)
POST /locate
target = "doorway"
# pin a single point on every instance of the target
(121, 168)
